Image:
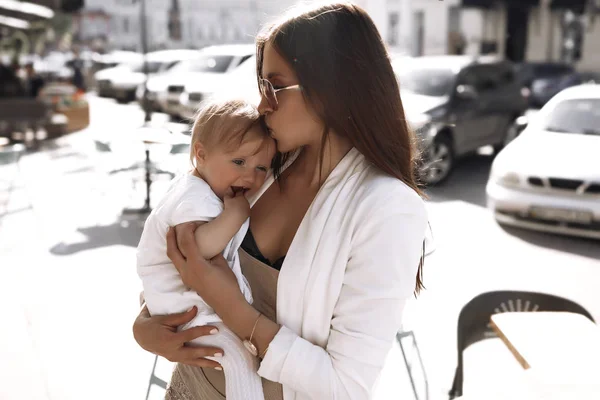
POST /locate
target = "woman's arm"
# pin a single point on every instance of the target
(380, 276)
(218, 285)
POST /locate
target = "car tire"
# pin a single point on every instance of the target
(438, 161)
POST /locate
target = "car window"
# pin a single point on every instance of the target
(153, 67)
(436, 82)
(549, 70)
(244, 59)
(574, 116)
(483, 78)
(506, 74)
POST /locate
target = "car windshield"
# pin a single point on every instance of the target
(575, 116)
(153, 67)
(437, 82)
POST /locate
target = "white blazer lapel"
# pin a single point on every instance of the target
(304, 256)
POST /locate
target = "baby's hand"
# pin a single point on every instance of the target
(238, 204)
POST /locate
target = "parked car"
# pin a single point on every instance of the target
(159, 82)
(548, 179)
(114, 58)
(241, 83)
(208, 69)
(104, 78)
(543, 90)
(457, 104)
(542, 80)
(127, 81)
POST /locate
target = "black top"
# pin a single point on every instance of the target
(250, 247)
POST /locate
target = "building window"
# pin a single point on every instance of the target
(125, 24)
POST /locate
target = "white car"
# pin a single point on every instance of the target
(104, 78)
(548, 179)
(127, 81)
(208, 69)
(241, 83)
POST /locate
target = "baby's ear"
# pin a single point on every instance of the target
(199, 152)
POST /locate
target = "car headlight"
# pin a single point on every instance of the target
(506, 178)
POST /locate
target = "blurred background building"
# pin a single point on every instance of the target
(115, 24)
(540, 30)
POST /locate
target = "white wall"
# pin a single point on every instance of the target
(471, 22)
(436, 24)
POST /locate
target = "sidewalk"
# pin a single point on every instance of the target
(68, 286)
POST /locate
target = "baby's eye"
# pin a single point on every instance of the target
(239, 162)
(263, 169)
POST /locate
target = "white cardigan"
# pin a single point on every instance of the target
(343, 285)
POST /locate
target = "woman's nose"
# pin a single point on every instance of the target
(264, 107)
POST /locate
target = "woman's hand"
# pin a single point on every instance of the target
(214, 280)
(159, 335)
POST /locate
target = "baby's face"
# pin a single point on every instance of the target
(243, 169)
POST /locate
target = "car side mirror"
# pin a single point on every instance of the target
(466, 92)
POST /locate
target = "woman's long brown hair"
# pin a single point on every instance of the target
(346, 75)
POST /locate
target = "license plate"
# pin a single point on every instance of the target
(561, 215)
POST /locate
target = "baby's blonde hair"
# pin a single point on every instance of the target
(224, 124)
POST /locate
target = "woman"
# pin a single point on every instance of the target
(335, 244)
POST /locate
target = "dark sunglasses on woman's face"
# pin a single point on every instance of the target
(270, 93)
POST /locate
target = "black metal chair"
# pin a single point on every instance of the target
(474, 319)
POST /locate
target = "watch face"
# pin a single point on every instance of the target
(250, 347)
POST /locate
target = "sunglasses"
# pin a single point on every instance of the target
(270, 93)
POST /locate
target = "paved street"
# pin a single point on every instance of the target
(68, 287)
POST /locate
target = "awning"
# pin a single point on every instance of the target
(24, 10)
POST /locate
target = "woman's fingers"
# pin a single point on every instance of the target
(174, 320)
(203, 363)
(194, 333)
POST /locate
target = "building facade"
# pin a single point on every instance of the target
(173, 23)
(538, 28)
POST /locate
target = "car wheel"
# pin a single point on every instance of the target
(438, 161)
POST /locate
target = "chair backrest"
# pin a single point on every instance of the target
(474, 318)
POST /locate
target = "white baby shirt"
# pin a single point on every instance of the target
(189, 198)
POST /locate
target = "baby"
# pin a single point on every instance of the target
(231, 154)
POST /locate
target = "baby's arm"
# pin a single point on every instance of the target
(212, 237)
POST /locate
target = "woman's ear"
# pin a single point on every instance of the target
(199, 152)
